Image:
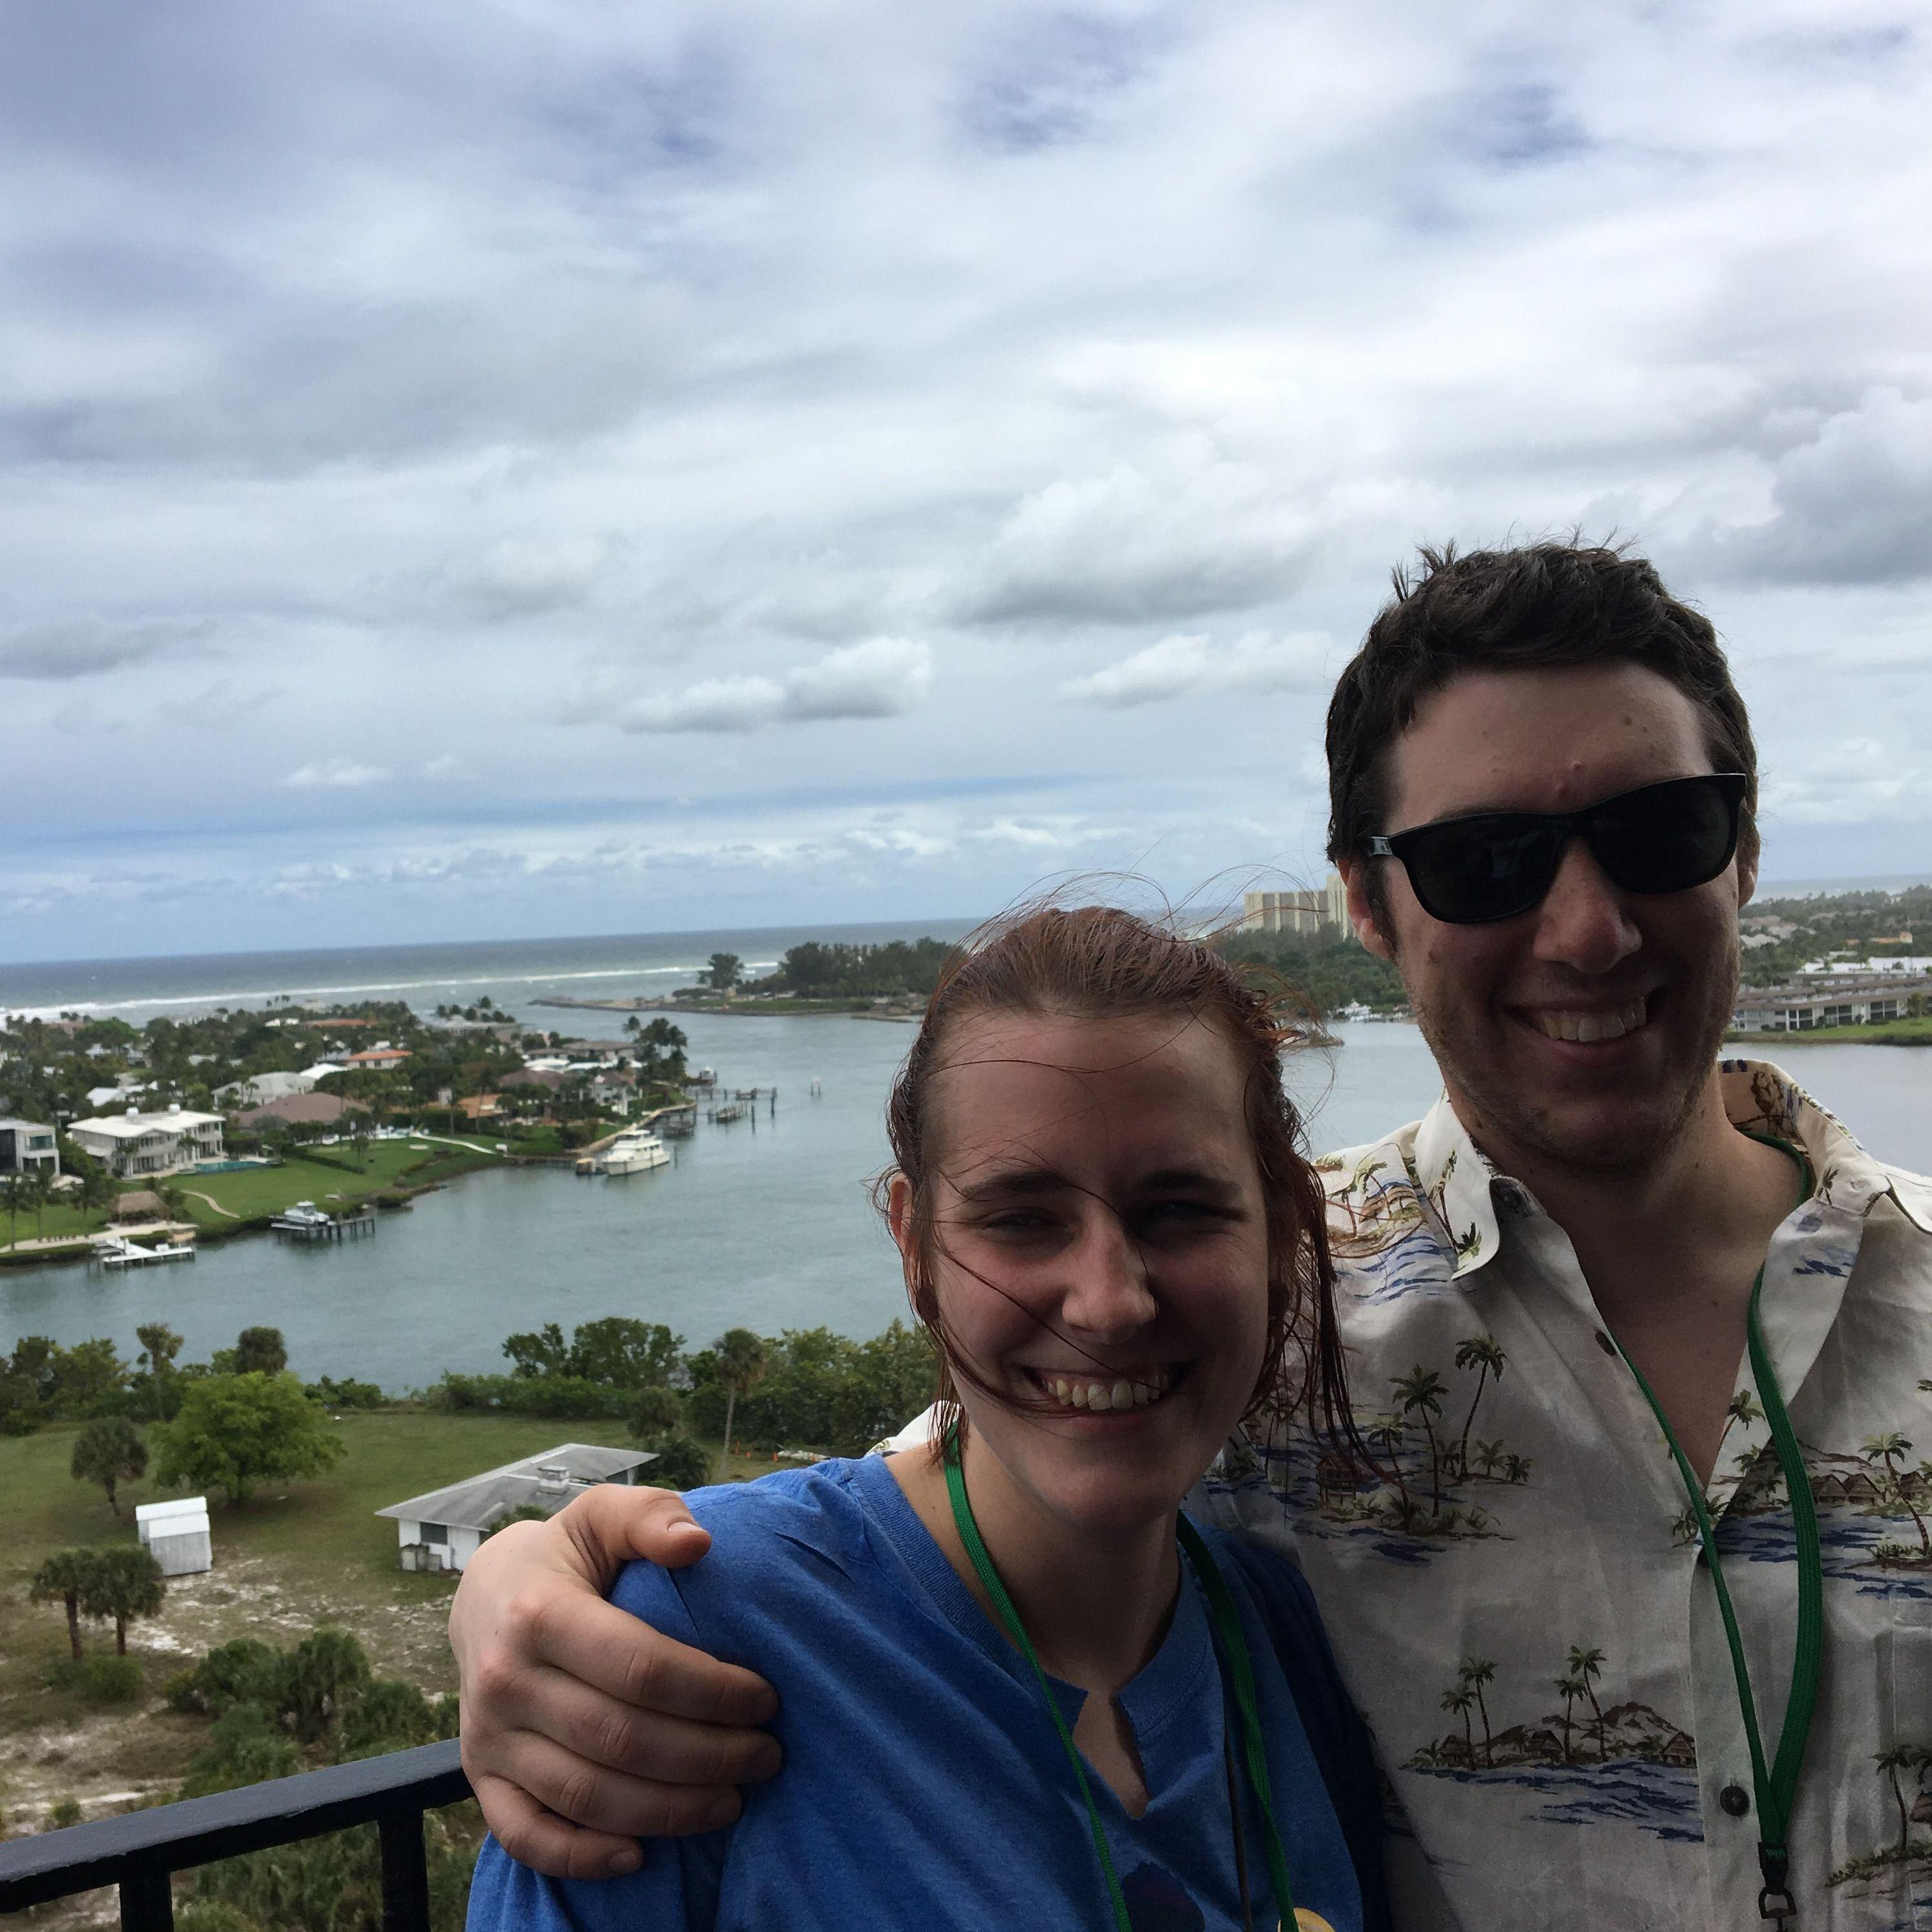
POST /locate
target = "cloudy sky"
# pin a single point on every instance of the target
(523, 467)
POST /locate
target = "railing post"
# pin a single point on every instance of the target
(148, 1901)
(405, 1873)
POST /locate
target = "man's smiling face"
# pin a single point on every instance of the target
(1583, 1033)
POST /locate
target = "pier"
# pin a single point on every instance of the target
(116, 1251)
(316, 1226)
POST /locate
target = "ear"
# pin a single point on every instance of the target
(1354, 872)
(1747, 872)
(899, 1220)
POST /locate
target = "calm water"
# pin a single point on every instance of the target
(768, 1226)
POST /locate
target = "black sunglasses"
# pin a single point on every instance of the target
(1497, 865)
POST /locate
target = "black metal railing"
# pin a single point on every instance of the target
(141, 1851)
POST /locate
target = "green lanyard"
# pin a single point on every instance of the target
(1777, 1786)
(1237, 1669)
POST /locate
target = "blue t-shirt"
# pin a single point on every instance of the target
(924, 1786)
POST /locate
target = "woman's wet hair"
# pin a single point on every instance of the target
(1100, 962)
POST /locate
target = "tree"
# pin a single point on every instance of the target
(160, 1345)
(233, 1432)
(108, 1451)
(85, 1375)
(1569, 1689)
(1420, 1392)
(740, 1368)
(655, 1412)
(1888, 1449)
(1475, 1673)
(1460, 1702)
(260, 1351)
(1485, 1354)
(721, 975)
(1586, 1666)
(127, 1584)
(66, 1577)
(324, 1671)
(682, 1462)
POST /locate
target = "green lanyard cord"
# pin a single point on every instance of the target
(1777, 1786)
(1239, 1670)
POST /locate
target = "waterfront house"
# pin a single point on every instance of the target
(381, 1059)
(175, 1534)
(442, 1529)
(324, 1109)
(27, 1148)
(260, 1089)
(1843, 999)
(134, 1143)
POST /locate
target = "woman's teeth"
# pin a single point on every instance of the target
(1096, 1394)
(1610, 1023)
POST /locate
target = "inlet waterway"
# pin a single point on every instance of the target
(766, 1223)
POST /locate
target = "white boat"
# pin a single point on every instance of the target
(636, 1151)
(304, 1214)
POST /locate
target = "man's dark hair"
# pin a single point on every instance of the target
(1540, 607)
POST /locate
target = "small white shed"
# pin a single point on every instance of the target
(176, 1535)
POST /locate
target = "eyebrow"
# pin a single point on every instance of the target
(1008, 1183)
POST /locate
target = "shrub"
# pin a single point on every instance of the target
(101, 1680)
(390, 1715)
(245, 1671)
(245, 1746)
(66, 1811)
(682, 1463)
(344, 1394)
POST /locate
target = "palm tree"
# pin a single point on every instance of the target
(160, 1345)
(1475, 1673)
(1569, 1690)
(1902, 1757)
(741, 1367)
(1384, 1434)
(1888, 1449)
(1586, 1666)
(1461, 1701)
(71, 1577)
(1488, 1455)
(1484, 1354)
(1743, 1408)
(1420, 1392)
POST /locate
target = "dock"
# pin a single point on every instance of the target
(116, 1251)
(326, 1227)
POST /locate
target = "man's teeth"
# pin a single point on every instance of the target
(1612, 1023)
(1096, 1394)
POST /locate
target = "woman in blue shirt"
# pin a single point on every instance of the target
(1015, 1688)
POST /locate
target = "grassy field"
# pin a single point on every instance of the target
(1883, 1033)
(295, 1555)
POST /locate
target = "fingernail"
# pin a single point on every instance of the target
(628, 1860)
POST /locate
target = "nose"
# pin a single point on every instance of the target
(1583, 922)
(1107, 1295)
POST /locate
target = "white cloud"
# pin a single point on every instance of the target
(340, 773)
(883, 678)
(1190, 666)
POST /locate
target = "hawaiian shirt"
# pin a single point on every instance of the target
(1518, 1603)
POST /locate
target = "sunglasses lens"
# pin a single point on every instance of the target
(1667, 838)
(1479, 869)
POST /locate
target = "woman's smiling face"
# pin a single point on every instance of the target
(1098, 1252)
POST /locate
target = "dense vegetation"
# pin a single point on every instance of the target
(1861, 926)
(819, 971)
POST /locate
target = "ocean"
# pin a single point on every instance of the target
(512, 971)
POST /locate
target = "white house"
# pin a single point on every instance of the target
(176, 1535)
(27, 1148)
(441, 1530)
(136, 1144)
(260, 1088)
(1850, 1000)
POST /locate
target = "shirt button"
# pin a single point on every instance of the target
(1735, 1799)
(1604, 1342)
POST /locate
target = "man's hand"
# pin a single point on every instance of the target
(584, 1729)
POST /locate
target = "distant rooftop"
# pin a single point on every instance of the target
(481, 1502)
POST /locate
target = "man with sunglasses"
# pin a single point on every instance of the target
(1633, 1583)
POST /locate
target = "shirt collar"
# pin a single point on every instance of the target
(1469, 1195)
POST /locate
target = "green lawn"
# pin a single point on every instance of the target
(293, 1555)
(57, 1220)
(1881, 1032)
(256, 1193)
